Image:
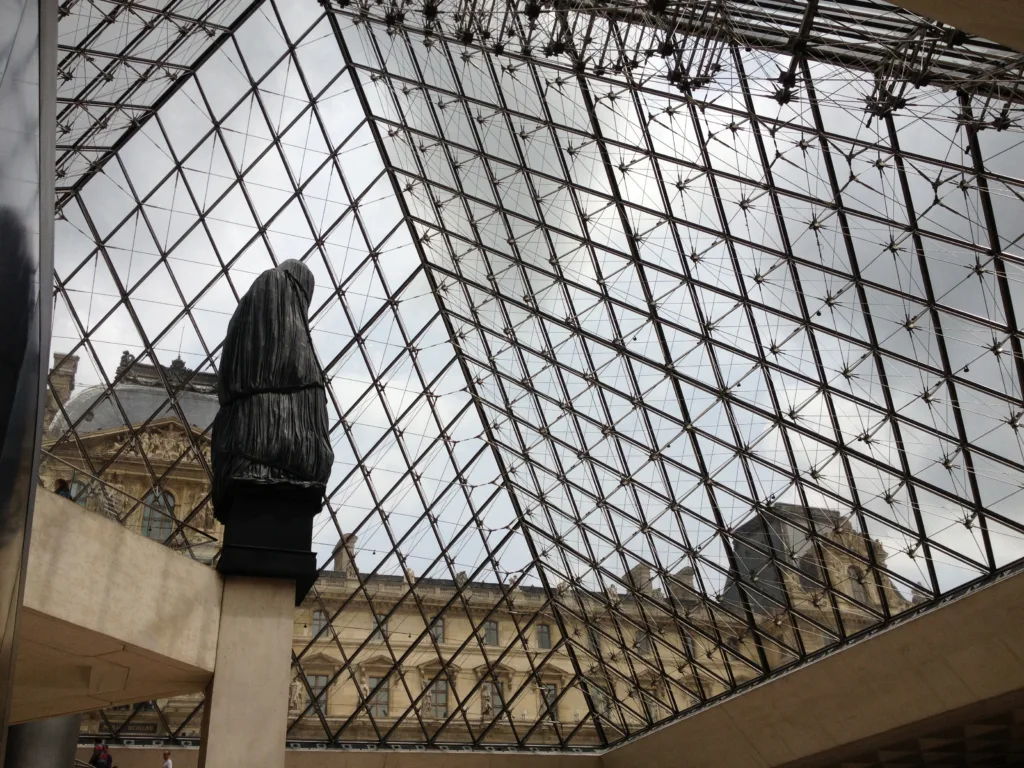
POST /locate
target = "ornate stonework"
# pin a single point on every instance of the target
(119, 471)
(167, 443)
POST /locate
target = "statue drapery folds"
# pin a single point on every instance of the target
(271, 429)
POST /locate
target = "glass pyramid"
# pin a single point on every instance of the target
(670, 344)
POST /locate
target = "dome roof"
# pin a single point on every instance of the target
(141, 393)
(140, 403)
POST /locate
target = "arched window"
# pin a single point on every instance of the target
(158, 515)
(857, 588)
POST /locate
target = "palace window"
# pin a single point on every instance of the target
(381, 631)
(436, 705)
(492, 696)
(319, 622)
(378, 703)
(544, 636)
(437, 630)
(594, 640)
(158, 515)
(548, 694)
(490, 633)
(317, 683)
(643, 643)
(691, 646)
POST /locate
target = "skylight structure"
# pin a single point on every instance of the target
(640, 314)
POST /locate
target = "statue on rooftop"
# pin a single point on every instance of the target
(271, 452)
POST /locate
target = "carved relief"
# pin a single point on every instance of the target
(165, 444)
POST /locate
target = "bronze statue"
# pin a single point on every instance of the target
(271, 452)
(271, 430)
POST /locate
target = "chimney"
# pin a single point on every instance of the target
(62, 384)
(640, 579)
(345, 555)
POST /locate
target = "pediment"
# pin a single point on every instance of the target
(320, 660)
(160, 425)
(553, 671)
(500, 670)
(377, 662)
(166, 440)
(431, 668)
(649, 676)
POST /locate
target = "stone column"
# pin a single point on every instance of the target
(245, 717)
(49, 743)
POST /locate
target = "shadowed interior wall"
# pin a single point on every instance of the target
(26, 253)
(142, 757)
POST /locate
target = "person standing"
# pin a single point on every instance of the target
(167, 761)
(101, 756)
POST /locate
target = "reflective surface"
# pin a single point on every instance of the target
(44, 743)
(26, 267)
(702, 355)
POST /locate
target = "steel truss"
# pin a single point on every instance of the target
(605, 293)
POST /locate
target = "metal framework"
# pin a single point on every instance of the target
(603, 290)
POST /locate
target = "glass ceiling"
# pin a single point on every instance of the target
(600, 289)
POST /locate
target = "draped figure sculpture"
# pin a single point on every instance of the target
(271, 452)
(271, 429)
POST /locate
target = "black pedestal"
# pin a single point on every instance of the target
(269, 533)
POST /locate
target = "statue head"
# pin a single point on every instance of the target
(301, 276)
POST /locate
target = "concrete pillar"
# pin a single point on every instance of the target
(49, 743)
(245, 718)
